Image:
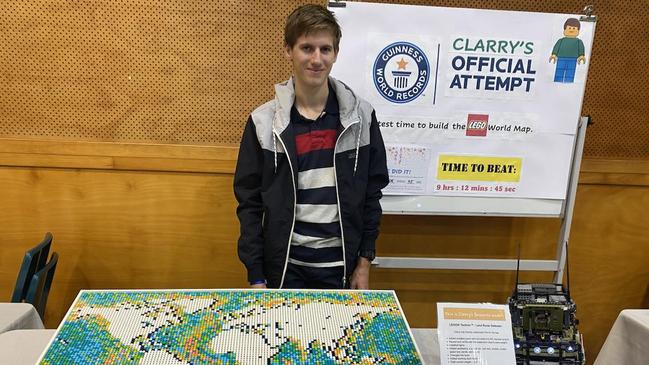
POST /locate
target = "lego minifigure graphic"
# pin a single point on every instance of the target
(568, 52)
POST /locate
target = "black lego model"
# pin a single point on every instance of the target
(544, 324)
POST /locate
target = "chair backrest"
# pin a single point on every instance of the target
(34, 260)
(39, 287)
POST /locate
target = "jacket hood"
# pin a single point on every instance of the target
(348, 103)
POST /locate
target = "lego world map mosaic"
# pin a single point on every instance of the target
(233, 327)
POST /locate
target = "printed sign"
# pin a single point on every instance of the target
(475, 334)
(493, 103)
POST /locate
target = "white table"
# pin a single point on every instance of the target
(23, 347)
(628, 341)
(15, 316)
(428, 344)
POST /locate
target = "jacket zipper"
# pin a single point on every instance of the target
(288, 248)
(340, 216)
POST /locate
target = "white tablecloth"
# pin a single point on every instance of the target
(628, 341)
(426, 339)
(14, 316)
(23, 347)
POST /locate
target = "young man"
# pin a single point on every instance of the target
(310, 171)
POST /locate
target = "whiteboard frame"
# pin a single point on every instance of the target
(472, 206)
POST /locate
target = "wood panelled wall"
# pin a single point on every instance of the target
(159, 216)
(190, 72)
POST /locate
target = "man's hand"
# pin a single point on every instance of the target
(581, 60)
(258, 286)
(553, 58)
(361, 276)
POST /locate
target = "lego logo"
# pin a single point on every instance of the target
(477, 124)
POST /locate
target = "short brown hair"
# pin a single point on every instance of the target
(308, 19)
(573, 22)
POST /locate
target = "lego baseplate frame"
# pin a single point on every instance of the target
(233, 326)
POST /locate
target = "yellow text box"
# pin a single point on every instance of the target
(479, 168)
(474, 314)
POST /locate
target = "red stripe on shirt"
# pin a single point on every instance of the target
(315, 140)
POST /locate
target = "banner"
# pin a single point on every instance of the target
(470, 102)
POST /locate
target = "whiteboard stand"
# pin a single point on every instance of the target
(486, 206)
(566, 222)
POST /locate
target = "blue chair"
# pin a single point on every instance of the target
(39, 287)
(34, 261)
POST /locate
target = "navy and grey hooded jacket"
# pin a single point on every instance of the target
(265, 182)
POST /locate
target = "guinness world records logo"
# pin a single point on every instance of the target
(401, 72)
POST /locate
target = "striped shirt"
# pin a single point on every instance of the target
(316, 238)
